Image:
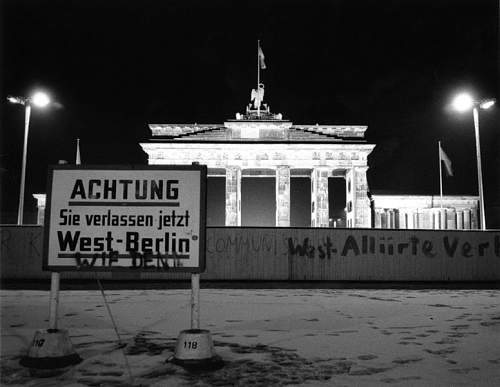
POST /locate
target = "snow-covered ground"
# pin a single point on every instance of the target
(309, 337)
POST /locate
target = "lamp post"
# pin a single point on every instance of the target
(464, 102)
(38, 99)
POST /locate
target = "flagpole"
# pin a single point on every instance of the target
(258, 75)
(440, 174)
(77, 158)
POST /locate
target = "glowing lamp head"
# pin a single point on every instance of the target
(13, 99)
(40, 99)
(463, 102)
(487, 104)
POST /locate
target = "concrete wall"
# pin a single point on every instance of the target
(300, 254)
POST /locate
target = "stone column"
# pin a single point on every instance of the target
(467, 224)
(409, 219)
(474, 219)
(393, 213)
(384, 223)
(460, 220)
(233, 196)
(378, 219)
(451, 219)
(410, 224)
(442, 217)
(402, 219)
(359, 197)
(40, 204)
(396, 218)
(283, 196)
(436, 214)
(416, 220)
(319, 198)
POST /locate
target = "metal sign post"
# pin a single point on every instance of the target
(195, 301)
(195, 349)
(54, 299)
(51, 348)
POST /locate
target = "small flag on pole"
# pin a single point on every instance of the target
(261, 59)
(446, 160)
(78, 160)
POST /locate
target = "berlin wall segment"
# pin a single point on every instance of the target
(353, 243)
(468, 255)
(108, 218)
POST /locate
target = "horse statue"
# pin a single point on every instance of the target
(257, 96)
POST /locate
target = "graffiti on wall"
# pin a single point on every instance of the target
(30, 239)
(332, 243)
(366, 245)
(245, 243)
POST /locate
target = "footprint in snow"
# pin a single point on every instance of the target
(464, 370)
(489, 323)
(367, 371)
(446, 340)
(399, 380)
(406, 360)
(441, 352)
(463, 326)
(367, 357)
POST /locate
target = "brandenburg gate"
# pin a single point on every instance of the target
(259, 143)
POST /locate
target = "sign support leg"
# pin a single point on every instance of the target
(195, 348)
(51, 348)
(195, 301)
(54, 300)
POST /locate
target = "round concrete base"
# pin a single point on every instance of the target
(50, 349)
(195, 350)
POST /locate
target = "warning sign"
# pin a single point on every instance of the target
(125, 218)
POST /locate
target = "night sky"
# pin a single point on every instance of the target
(114, 66)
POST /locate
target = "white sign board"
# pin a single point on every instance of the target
(126, 218)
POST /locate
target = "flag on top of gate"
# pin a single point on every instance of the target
(261, 58)
(446, 160)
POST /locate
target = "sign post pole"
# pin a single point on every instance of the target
(54, 299)
(51, 348)
(195, 301)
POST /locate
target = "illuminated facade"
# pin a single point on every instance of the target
(262, 144)
(425, 212)
(259, 143)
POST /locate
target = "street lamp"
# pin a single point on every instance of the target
(38, 99)
(462, 103)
